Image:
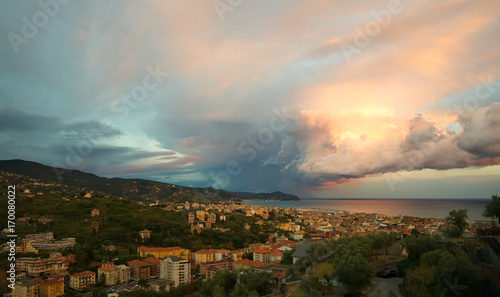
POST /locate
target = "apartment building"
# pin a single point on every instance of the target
(26, 288)
(140, 269)
(36, 266)
(123, 274)
(203, 256)
(261, 255)
(222, 264)
(107, 274)
(155, 266)
(176, 269)
(82, 280)
(50, 287)
(160, 252)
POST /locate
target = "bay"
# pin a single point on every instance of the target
(429, 208)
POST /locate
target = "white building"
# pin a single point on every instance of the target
(176, 269)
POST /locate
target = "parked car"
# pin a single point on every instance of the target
(387, 273)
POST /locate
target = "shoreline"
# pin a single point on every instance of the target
(329, 210)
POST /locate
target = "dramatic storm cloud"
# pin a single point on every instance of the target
(318, 98)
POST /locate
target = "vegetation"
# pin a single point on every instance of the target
(492, 209)
(456, 221)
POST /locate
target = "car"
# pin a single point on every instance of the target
(387, 273)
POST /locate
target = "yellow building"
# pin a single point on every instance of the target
(109, 274)
(25, 288)
(50, 287)
(82, 280)
(159, 252)
(203, 256)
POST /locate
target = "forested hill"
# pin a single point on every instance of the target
(39, 178)
(266, 196)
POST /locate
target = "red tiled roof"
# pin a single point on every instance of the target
(262, 251)
(107, 268)
(159, 249)
(152, 260)
(47, 281)
(200, 252)
(248, 262)
(86, 272)
(138, 263)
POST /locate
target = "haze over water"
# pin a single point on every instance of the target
(431, 208)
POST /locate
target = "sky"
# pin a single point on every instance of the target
(324, 99)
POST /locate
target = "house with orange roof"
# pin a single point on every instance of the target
(262, 255)
(82, 280)
(156, 266)
(203, 256)
(140, 269)
(26, 288)
(161, 252)
(107, 274)
(247, 264)
(50, 287)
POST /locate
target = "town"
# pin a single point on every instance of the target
(47, 267)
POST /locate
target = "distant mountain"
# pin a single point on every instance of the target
(266, 196)
(39, 178)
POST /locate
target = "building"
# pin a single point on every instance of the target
(249, 264)
(261, 255)
(160, 252)
(221, 254)
(161, 285)
(108, 275)
(36, 266)
(212, 218)
(82, 280)
(94, 212)
(140, 269)
(123, 274)
(176, 269)
(145, 234)
(156, 266)
(203, 256)
(275, 257)
(191, 218)
(223, 264)
(25, 288)
(26, 247)
(50, 287)
(43, 237)
(65, 243)
(70, 258)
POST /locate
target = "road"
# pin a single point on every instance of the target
(382, 286)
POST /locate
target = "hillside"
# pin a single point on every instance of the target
(39, 178)
(279, 196)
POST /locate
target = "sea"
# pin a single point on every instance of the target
(425, 208)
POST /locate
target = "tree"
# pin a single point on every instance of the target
(456, 221)
(492, 209)
(354, 271)
(240, 290)
(419, 245)
(437, 270)
(287, 258)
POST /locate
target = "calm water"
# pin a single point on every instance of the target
(430, 208)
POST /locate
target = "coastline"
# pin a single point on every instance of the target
(422, 208)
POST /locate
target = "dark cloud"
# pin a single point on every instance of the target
(20, 121)
(481, 131)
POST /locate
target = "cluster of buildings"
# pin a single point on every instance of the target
(167, 267)
(45, 241)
